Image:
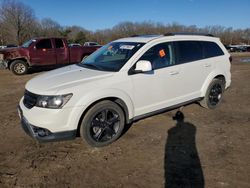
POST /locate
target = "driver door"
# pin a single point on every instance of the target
(157, 89)
(43, 53)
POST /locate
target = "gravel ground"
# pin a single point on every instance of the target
(209, 148)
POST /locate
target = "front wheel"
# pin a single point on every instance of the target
(102, 124)
(19, 67)
(214, 94)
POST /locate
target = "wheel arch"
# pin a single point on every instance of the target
(120, 102)
(221, 77)
(212, 76)
(21, 58)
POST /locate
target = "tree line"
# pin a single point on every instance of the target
(18, 23)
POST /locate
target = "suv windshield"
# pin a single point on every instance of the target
(112, 56)
(28, 43)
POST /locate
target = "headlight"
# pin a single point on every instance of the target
(54, 102)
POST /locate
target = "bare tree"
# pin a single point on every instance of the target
(18, 23)
(246, 36)
(77, 34)
(50, 28)
(2, 38)
(18, 20)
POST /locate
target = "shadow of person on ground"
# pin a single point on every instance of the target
(182, 163)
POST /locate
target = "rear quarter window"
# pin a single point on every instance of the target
(211, 49)
(188, 51)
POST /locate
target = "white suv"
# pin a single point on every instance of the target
(125, 80)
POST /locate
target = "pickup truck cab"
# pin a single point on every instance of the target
(42, 52)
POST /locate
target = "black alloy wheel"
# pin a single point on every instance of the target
(102, 124)
(215, 94)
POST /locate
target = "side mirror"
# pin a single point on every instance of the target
(143, 66)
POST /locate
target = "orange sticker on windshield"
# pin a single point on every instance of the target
(162, 53)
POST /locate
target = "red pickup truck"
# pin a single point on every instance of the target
(42, 52)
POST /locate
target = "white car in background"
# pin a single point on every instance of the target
(91, 44)
(125, 80)
(74, 45)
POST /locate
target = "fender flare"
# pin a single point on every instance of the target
(208, 80)
(118, 96)
(19, 58)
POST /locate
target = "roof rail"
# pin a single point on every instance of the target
(200, 34)
(146, 35)
(134, 35)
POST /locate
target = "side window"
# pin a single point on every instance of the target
(44, 44)
(211, 49)
(188, 51)
(59, 43)
(160, 55)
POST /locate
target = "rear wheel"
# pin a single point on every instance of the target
(102, 124)
(214, 94)
(19, 67)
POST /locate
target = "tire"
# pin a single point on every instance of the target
(19, 67)
(214, 94)
(102, 124)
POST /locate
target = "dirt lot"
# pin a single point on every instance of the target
(210, 148)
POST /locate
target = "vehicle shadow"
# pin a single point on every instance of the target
(182, 164)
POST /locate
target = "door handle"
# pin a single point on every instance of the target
(174, 72)
(207, 65)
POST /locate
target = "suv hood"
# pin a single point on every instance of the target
(51, 82)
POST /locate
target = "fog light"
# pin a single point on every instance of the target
(42, 132)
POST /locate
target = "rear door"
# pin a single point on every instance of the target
(43, 53)
(62, 51)
(193, 68)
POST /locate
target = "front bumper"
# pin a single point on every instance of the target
(42, 134)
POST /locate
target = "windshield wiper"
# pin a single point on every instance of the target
(91, 66)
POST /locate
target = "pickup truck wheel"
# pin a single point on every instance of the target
(19, 67)
(214, 94)
(102, 124)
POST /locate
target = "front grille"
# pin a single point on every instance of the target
(29, 99)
